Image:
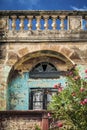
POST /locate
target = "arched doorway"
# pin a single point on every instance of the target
(31, 80)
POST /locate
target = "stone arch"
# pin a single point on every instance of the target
(18, 66)
(64, 50)
(17, 83)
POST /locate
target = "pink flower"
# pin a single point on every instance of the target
(49, 115)
(85, 100)
(85, 77)
(55, 86)
(70, 73)
(82, 89)
(58, 85)
(86, 71)
(60, 89)
(82, 103)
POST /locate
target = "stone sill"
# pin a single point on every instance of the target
(26, 112)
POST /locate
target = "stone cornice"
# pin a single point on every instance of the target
(44, 36)
(41, 12)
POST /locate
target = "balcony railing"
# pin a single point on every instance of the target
(43, 22)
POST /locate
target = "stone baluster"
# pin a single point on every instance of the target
(46, 17)
(62, 17)
(30, 22)
(21, 22)
(38, 18)
(54, 25)
(14, 22)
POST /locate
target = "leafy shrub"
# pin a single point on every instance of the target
(69, 105)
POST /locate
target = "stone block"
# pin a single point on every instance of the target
(12, 55)
(23, 51)
(75, 55)
(65, 51)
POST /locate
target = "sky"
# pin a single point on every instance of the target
(43, 5)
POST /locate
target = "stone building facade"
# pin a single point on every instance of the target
(36, 48)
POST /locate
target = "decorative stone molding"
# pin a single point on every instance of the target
(75, 22)
(45, 35)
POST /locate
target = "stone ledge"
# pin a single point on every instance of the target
(44, 36)
(26, 112)
(41, 12)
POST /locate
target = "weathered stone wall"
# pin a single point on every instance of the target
(23, 120)
(19, 123)
(21, 49)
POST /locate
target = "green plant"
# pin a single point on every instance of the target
(69, 105)
(37, 127)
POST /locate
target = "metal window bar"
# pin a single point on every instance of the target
(40, 101)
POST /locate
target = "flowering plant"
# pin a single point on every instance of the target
(69, 105)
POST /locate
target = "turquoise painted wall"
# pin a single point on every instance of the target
(18, 93)
(18, 90)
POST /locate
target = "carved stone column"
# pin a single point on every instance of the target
(38, 18)
(54, 22)
(62, 17)
(46, 17)
(14, 22)
(21, 22)
(30, 22)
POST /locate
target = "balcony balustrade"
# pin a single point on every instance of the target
(57, 25)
